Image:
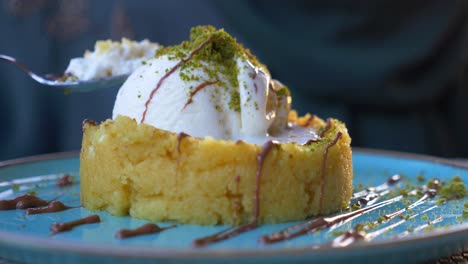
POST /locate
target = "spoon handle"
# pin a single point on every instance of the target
(69, 85)
(25, 69)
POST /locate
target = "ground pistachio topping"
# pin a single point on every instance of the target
(454, 189)
(217, 60)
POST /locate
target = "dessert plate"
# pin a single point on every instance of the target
(425, 231)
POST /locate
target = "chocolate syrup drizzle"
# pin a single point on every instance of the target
(52, 207)
(22, 202)
(180, 136)
(254, 76)
(231, 232)
(195, 91)
(318, 224)
(88, 122)
(430, 193)
(172, 70)
(309, 120)
(310, 141)
(371, 195)
(382, 187)
(65, 180)
(421, 227)
(62, 227)
(145, 229)
(234, 231)
(324, 167)
(358, 232)
(327, 127)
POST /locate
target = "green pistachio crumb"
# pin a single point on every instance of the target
(420, 178)
(216, 59)
(465, 213)
(360, 227)
(222, 52)
(15, 187)
(429, 228)
(344, 205)
(407, 203)
(337, 233)
(455, 189)
(369, 225)
(234, 103)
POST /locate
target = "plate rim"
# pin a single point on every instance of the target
(71, 247)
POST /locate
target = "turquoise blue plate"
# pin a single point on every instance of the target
(427, 232)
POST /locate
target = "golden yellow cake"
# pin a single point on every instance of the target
(136, 169)
(202, 134)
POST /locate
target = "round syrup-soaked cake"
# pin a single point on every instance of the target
(157, 175)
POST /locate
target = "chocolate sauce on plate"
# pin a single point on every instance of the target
(145, 229)
(62, 227)
(349, 237)
(52, 207)
(394, 179)
(65, 180)
(22, 202)
(318, 224)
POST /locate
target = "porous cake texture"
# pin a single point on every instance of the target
(149, 173)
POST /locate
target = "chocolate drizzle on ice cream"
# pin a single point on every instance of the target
(172, 70)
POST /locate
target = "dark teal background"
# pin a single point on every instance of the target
(394, 71)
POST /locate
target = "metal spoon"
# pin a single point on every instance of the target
(72, 86)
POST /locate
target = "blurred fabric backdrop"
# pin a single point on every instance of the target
(395, 71)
